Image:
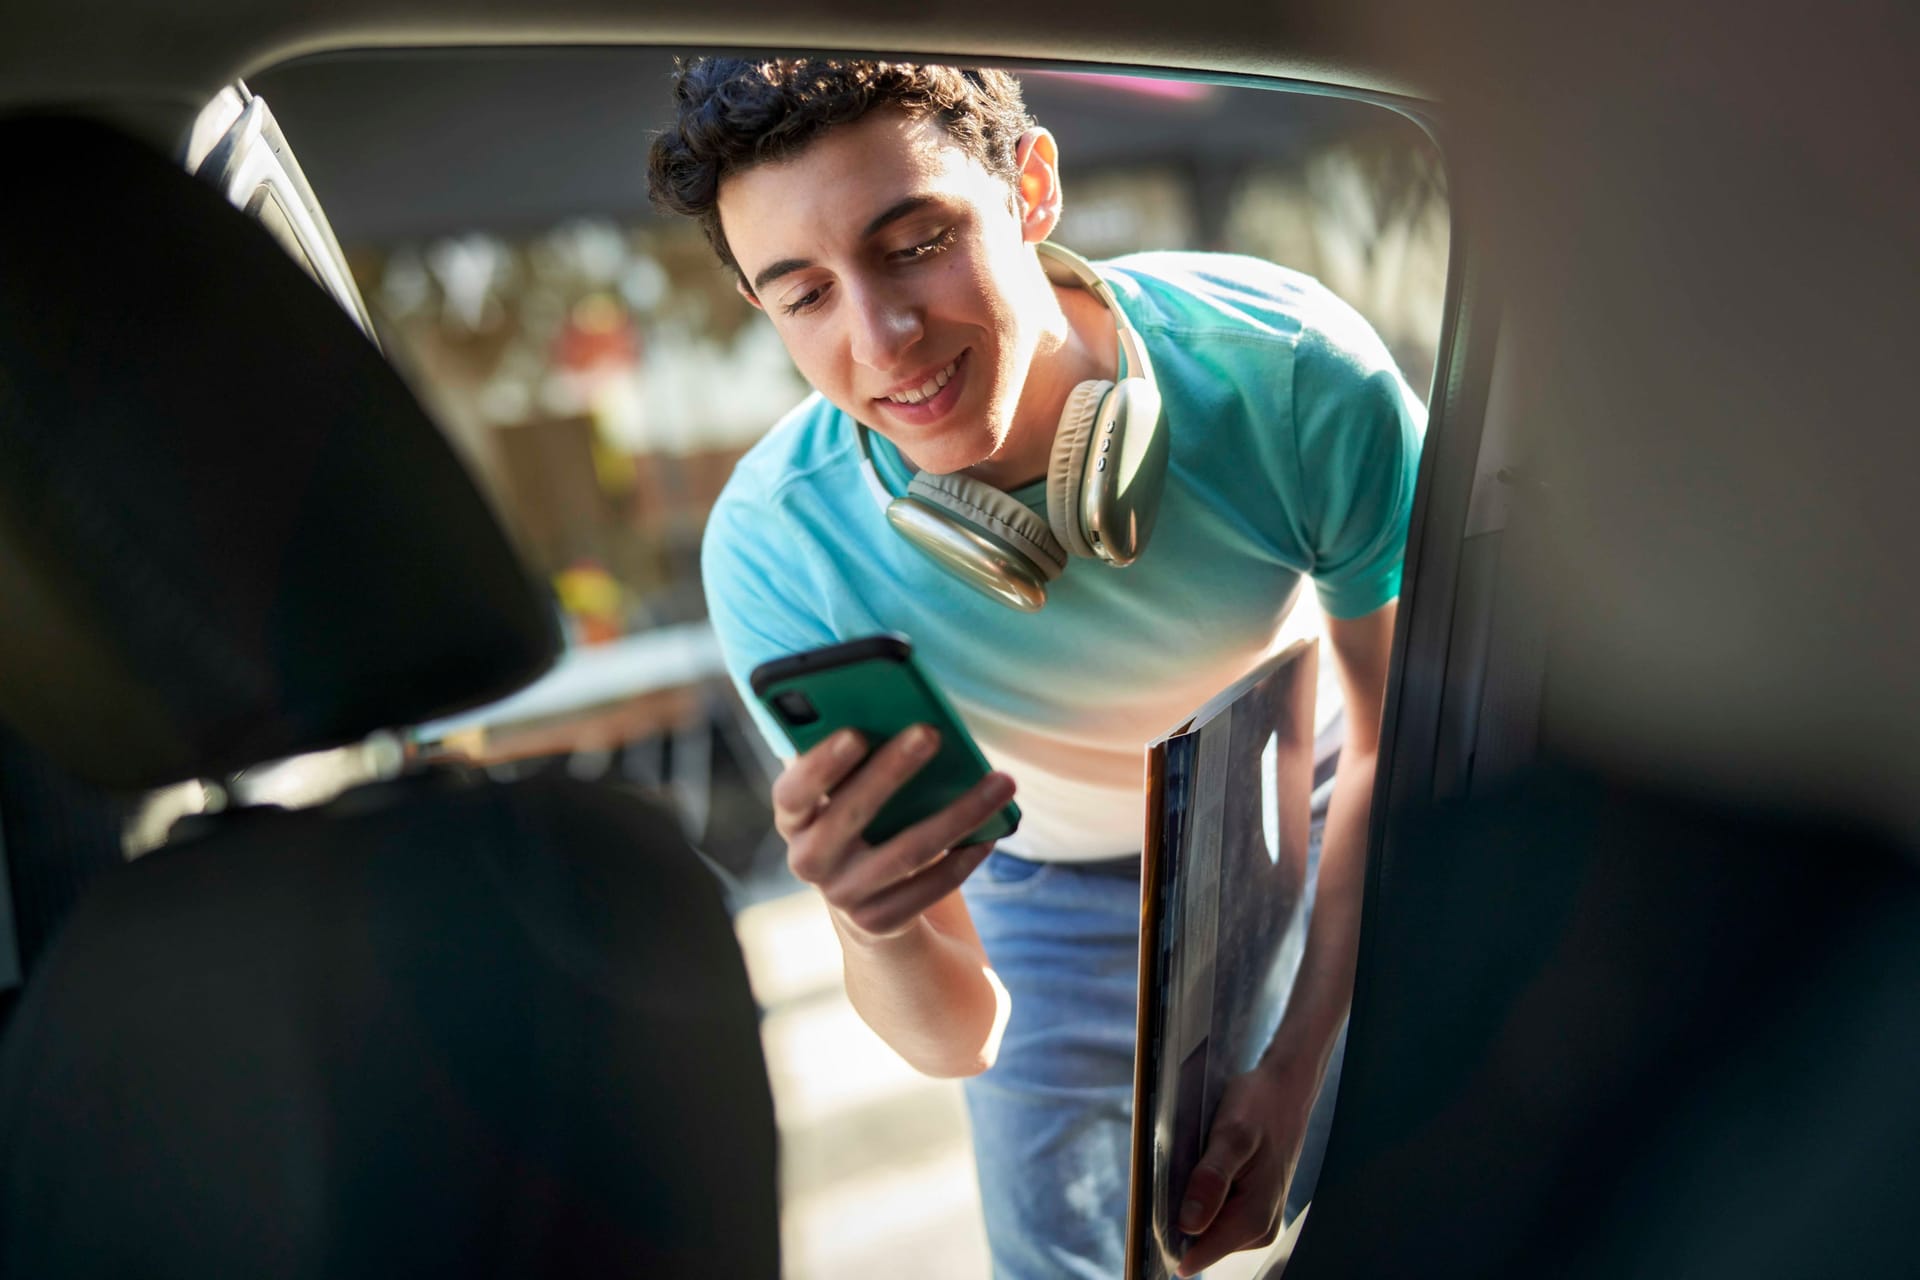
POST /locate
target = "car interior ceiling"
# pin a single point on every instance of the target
(1643, 913)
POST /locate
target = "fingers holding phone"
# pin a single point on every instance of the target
(884, 835)
(885, 888)
(822, 807)
(801, 790)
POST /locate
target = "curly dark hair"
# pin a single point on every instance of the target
(734, 113)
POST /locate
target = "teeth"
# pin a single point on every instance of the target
(930, 387)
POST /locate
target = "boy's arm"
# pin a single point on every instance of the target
(929, 993)
(1256, 1134)
(1361, 650)
(915, 969)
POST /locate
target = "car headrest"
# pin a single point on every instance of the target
(228, 533)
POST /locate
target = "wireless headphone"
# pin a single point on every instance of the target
(1108, 467)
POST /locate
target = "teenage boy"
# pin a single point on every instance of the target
(888, 219)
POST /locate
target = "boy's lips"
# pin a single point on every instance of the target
(931, 398)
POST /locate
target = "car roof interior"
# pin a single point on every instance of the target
(1642, 922)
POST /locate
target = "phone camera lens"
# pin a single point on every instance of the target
(795, 707)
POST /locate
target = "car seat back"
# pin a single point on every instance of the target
(439, 1026)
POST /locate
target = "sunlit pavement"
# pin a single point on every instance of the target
(876, 1164)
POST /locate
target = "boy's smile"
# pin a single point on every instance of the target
(926, 400)
(900, 275)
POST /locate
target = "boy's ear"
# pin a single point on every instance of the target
(746, 291)
(1037, 157)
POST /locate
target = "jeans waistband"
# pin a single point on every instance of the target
(1125, 868)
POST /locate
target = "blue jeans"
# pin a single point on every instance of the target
(1052, 1120)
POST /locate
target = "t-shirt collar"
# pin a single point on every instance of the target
(896, 475)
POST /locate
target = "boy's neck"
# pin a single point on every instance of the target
(1080, 346)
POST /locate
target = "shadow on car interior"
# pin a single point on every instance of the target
(440, 1025)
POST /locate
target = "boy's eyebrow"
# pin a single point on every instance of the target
(895, 212)
(891, 214)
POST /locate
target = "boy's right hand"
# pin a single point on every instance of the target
(825, 798)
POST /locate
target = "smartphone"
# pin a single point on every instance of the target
(873, 685)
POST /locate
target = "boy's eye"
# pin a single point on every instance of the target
(935, 243)
(925, 247)
(804, 302)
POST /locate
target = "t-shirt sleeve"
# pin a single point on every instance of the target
(756, 599)
(1358, 428)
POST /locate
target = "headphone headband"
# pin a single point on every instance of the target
(1064, 266)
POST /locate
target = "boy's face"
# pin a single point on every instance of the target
(898, 273)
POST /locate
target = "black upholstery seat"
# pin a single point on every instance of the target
(441, 1026)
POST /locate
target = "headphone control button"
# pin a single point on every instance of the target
(1101, 466)
(1105, 445)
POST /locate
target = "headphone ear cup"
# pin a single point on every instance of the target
(1067, 469)
(998, 516)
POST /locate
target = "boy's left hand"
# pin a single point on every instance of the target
(1234, 1199)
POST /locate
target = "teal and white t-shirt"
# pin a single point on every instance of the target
(1294, 443)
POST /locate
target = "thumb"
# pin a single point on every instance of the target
(1230, 1145)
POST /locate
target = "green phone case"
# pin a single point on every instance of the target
(874, 685)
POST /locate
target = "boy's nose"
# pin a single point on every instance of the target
(885, 328)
